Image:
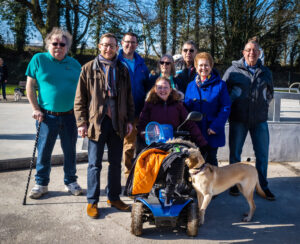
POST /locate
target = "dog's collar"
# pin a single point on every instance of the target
(198, 170)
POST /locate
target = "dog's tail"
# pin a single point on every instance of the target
(259, 190)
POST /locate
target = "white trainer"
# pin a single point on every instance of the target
(74, 188)
(37, 191)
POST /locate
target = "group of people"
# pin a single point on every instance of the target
(112, 98)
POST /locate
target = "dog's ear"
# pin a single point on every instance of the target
(194, 158)
(188, 162)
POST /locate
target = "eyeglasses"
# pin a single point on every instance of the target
(61, 44)
(253, 50)
(166, 63)
(162, 88)
(130, 42)
(204, 65)
(190, 50)
(106, 45)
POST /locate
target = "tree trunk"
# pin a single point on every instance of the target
(163, 23)
(20, 26)
(174, 19)
(213, 27)
(197, 23)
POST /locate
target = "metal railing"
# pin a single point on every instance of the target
(282, 93)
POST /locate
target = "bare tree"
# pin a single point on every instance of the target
(44, 14)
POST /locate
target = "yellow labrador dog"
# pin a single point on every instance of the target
(210, 180)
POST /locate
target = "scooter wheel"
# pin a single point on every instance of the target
(137, 218)
(192, 220)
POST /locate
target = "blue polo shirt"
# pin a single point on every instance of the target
(56, 81)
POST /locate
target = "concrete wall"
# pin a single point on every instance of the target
(284, 144)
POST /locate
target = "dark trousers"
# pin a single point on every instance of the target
(260, 140)
(3, 87)
(210, 155)
(95, 153)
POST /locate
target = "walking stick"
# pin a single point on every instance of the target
(32, 161)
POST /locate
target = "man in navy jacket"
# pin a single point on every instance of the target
(140, 85)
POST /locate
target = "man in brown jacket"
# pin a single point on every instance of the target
(104, 112)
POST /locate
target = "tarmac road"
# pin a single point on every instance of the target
(61, 218)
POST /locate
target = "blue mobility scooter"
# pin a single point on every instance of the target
(165, 204)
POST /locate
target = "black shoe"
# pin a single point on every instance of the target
(234, 191)
(269, 195)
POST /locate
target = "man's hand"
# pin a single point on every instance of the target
(38, 115)
(210, 132)
(82, 131)
(129, 129)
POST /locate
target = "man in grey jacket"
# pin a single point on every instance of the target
(250, 86)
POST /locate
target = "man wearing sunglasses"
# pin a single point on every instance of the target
(56, 76)
(185, 68)
(139, 75)
(104, 111)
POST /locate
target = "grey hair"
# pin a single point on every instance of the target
(172, 63)
(190, 42)
(254, 40)
(61, 33)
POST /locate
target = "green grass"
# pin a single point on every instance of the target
(10, 89)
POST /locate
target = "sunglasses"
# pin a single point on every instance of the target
(186, 50)
(166, 63)
(61, 44)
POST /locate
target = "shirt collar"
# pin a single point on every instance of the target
(55, 60)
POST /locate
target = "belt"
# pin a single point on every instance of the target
(57, 113)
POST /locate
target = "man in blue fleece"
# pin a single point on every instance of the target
(139, 75)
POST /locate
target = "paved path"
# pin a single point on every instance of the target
(61, 218)
(17, 136)
(17, 131)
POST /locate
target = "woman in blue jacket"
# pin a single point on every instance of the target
(208, 94)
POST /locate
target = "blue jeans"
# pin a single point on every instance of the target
(51, 127)
(95, 153)
(3, 87)
(260, 141)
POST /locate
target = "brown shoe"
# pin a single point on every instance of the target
(119, 204)
(92, 210)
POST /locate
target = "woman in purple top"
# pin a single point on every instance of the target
(163, 105)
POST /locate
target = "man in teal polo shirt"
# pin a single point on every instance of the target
(56, 76)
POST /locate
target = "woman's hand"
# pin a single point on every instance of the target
(210, 132)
